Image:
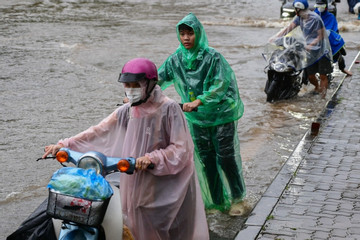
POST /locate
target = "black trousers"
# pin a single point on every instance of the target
(352, 4)
(215, 145)
(341, 61)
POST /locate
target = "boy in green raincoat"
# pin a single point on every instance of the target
(205, 81)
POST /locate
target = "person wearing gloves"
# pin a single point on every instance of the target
(164, 202)
(317, 44)
(336, 41)
(205, 82)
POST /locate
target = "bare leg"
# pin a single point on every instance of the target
(341, 63)
(323, 85)
(347, 72)
(313, 80)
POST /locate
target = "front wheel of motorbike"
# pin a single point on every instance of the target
(75, 234)
(271, 91)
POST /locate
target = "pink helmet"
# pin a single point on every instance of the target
(138, 69)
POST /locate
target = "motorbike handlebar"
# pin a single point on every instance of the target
(106, 164)
(151, 166)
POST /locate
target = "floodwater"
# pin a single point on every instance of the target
(60, 60)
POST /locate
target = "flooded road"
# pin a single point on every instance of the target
(60, 60)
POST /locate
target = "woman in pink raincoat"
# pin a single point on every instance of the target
(165, 202)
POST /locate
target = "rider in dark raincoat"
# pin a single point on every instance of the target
(204, 79)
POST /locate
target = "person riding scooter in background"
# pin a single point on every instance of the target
(317, 44)
(336, 41)
(165, 202)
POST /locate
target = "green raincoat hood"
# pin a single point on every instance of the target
(201, 41)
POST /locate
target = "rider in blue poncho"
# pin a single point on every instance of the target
(336, 41)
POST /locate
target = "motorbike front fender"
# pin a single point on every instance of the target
(113, 219)
(271, 86)
(272, 91)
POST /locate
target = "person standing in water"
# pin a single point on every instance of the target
(205, 81)
(336, 41)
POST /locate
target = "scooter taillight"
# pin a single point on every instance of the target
(62, 156)
(123, 165)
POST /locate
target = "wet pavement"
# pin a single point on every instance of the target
(316, 193)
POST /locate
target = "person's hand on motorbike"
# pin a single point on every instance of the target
(142, 163)
(308, 48)
(52, 149)
(273, 39)
(190, 106)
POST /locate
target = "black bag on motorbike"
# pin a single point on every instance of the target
(38, 226)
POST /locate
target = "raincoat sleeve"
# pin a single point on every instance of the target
(286, 30)
(219, 78)
(315, 35)
(100, 137)
(166, 77)
(296, 21)
(336, 41)
(175, 157)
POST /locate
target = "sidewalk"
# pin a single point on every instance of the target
(316, 194)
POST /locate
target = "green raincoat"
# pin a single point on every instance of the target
(203, 73)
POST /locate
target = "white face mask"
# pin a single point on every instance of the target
(321, 9)
(133, 94)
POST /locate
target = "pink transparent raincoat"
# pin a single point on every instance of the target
(163, 203)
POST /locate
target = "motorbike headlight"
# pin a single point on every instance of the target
(88, 161)
(279, 67)
(285, 15)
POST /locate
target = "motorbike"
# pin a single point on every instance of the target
(73, 217)
(284, 57)
(287, 56)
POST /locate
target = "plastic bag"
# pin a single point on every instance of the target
(38, 226)
(81, 183)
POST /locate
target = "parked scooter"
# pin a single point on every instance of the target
(75, 217)
(285, 56)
